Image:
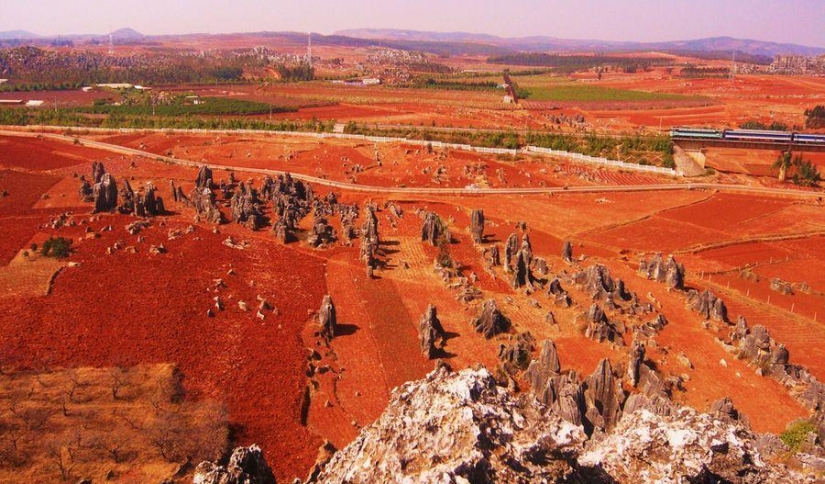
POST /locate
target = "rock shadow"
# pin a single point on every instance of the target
(346, 329)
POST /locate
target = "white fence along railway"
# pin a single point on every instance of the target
(576, 157)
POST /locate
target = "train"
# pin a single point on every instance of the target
(748, 135)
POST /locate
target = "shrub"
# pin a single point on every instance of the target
(58, 247)
(796, 433)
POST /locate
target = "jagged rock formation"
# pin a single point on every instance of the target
(666, 271)
(494, 256)
(431, 334)
(127, 198)
(724, 408)
(434, 231)
(105, 193)
(205, 205)
(97, 171)
(204, 179)
(652, 328)
(246, 466)
(542, 370)
(292, 200)
(599, 328)
(86, 191)
(245, 207)
(463, 428)
(477, 226)
(141, 204)
(322, 233)
(515, 356)
(597, 282)
(511, 248)
(522, 265)
(370, 240)
(457, 428)
(567, 251)
(637, 356)
(491, 321)
(708, 305)
(327, 320)
(772, 359)
(540, 266)
(282, 233)
(684, 447)
(148, 204)
(603, 397)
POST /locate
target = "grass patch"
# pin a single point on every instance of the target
(597, 94)
(216, 106)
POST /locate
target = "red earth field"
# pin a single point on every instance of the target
(128, 308)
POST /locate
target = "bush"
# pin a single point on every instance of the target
(58, 247)
(796, 434)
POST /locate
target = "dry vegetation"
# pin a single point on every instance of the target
(103, 423)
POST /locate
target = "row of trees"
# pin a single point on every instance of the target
(773, 126)
(75, 119)
(571, 63)
(637, 148)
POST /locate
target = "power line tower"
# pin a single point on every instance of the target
(733, 68)
(111, 44)
(309, 50)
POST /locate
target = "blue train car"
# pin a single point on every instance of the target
(757, 135)
(809, 138)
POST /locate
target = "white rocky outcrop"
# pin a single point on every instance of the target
(461, 427)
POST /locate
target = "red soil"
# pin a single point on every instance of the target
(24, 190)
(43, 155)
(157, 314)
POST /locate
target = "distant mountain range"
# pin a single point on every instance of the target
(459, 43)
(120, 35)
(552, 44)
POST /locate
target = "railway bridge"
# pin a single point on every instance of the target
(693, 144)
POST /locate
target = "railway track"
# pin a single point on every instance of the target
(781, 192)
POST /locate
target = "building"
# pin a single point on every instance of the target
(798, 64)
(121, 85)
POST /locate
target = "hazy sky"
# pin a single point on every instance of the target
(796, 21)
